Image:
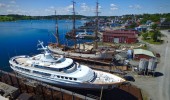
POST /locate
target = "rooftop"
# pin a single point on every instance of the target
(145, 52)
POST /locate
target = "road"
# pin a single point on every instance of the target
(158, 88)
(164, 82)
(162, 85)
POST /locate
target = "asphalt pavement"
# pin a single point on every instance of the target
(164, 81)
(158, 88)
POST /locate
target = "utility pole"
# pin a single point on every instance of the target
(96, 29)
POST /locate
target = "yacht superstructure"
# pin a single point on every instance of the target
(56, 69)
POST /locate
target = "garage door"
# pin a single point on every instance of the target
(116, 40)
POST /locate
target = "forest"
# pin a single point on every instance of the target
(145, 17)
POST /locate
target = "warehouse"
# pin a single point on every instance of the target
(141, 53)
(120, 36)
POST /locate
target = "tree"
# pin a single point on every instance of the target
(145, 35)
(154, 26)
(155, 35)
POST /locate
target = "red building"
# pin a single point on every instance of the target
(141, 53)
(120, 36)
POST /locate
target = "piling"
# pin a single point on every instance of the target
(52, 97)
(42, 92)
(10, 78)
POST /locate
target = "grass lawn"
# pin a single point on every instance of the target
(152, 42)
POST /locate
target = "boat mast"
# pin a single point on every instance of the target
(96, 28)
(57, 33)
(74, 28)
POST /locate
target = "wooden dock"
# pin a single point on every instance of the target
(103, 62)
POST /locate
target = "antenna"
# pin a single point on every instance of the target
(43, 48)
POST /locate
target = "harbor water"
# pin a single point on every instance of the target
(21, 37)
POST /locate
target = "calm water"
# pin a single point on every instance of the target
(21, 37)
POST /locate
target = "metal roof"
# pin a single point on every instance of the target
(3, 98)
(142, 51)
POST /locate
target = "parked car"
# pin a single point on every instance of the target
(158, 55)
(129, 78)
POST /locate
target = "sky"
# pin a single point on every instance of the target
(83, 7)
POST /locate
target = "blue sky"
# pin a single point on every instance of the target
(83, 7)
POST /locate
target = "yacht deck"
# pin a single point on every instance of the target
(22, 61)
(106, 78)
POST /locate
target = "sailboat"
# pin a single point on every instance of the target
(91, 51)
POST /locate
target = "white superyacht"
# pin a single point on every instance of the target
(58, 70)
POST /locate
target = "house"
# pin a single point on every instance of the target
(120, 36)
(142, 28)
(141, 53)
(164, 25)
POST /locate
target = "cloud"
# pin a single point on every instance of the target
(47, 10)
(135, 6)
(2, 5)
(113, 7)
(16, 11)
(13, 2)
(68, 8)
(60, 10)
(100, 7)
(84, 7)
(52, 7)
(10, 11)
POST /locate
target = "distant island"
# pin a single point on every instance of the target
(14, 17)
(145, 17)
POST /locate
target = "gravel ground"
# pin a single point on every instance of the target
(158, 88)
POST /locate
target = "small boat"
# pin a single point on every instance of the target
(61, 71)
(81, 34)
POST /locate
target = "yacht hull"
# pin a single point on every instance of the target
(101, 55)
(76, 85)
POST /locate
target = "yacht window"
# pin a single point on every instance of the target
(75, 79)
(70, 66)
(62, 77)
(60, 69)
(55, 58)
(27, 70)
(41, 73)
(58, 76)
(47, 68)
(66, 77)
(70, 78)
(17, 67)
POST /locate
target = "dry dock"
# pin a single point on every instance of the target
(42, 91)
